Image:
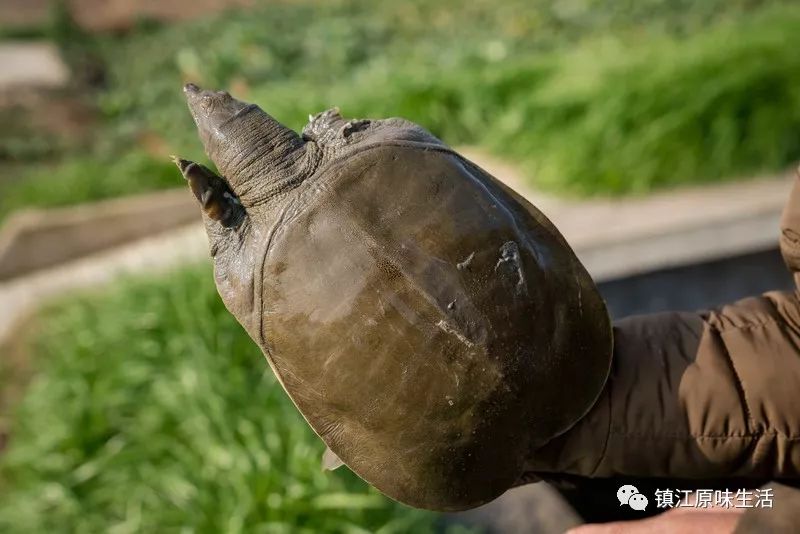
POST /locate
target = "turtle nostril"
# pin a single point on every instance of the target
(190, 88)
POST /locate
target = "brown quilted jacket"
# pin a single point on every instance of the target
(710, 395)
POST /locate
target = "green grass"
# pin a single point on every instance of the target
(720, 105)
(151, 411)
(86, 178)
(589, 97)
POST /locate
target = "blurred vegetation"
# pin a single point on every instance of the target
(152, 411)
(589, 96)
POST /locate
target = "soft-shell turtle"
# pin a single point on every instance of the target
(431, 325)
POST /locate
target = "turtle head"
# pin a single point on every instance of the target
(256, 154)
(258, 159)
(212, 109)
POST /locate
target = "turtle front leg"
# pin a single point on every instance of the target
(213, 193)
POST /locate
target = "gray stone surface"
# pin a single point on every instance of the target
(31, 64)
(699, 286)
(21, 296)
(35, 239)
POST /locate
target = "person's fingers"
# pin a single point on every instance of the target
(710, 509)
(676, 521)
(605, 528)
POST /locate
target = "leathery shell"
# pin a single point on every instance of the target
(432, 327)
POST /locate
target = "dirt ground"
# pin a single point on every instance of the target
(111, 15)
(54, 110)
(23, 12)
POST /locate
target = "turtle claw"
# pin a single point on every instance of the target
(330, 461)
(212, 192)
(180, 162)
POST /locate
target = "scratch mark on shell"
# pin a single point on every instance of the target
(464, 264)
(509, 253)
(446, 327)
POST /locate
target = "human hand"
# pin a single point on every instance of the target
(683, 520)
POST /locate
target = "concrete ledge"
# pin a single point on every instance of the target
(35, 239)
(673, 247)
(23, 295)
(616, 237)
(31, 64)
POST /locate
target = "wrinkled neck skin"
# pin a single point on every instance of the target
(262, 159)
(259, 158)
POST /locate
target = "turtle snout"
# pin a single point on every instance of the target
(211, 109)
(192, 90)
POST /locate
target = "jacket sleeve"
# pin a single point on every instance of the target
(705, 395)
(790, 231)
